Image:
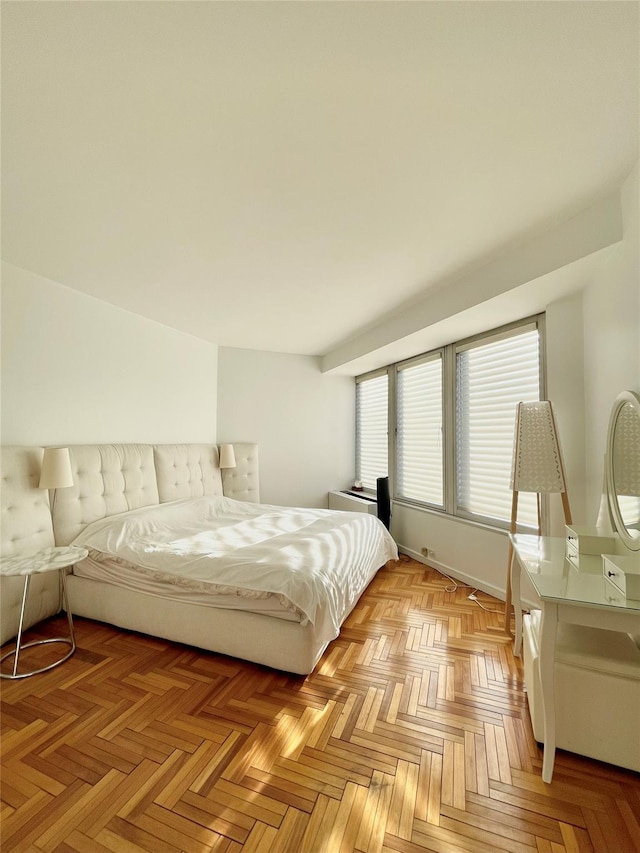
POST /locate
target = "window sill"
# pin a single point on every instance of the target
(364, 495)
(461, 519)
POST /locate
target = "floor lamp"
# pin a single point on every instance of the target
(537, 467)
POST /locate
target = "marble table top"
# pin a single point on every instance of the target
(46, 560)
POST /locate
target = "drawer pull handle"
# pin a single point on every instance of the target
(611, 574)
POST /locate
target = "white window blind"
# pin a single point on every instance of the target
(491, 378)
(372, 430)
(419, 424)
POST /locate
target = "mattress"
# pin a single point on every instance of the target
(118, 574)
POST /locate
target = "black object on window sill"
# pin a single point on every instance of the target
(384, 500)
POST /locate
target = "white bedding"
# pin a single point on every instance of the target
(106, 569)
(317, 562)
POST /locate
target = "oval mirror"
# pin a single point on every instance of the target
(623, 468)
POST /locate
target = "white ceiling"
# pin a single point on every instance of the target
(280, 176)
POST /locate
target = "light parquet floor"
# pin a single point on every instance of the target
(412, 735)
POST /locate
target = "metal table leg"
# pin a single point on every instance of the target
(70, 640)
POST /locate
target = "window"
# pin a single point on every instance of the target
(452, 411)
(492, 377)
(419, 427)
(372, 430)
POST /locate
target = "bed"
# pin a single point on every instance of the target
(183, 550)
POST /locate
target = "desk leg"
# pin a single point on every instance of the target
(546, 662)
(514, 573)
(508, 593)
(70, 640)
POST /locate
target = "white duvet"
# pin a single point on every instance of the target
(316, 561)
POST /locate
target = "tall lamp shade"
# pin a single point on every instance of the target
(227, 456)
(56, 470)
(537, 462)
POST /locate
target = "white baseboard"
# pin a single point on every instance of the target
(456, 574)
(463, 577)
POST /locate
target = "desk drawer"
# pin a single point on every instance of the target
(587, 540)
(572, 554)
(624, 573)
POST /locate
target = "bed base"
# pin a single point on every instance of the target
(277, 643)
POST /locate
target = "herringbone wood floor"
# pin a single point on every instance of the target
(411, 735)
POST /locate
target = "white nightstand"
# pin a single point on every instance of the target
(47, 560)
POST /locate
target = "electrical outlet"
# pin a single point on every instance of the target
(424, 552)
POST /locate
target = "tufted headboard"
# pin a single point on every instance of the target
(114, 478)
(242, 482)
(107, 479)
(25, 518)
(193, 470)
(187, 471)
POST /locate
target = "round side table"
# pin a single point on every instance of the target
(47, 560)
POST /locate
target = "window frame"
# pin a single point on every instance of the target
(448, 355)
(374, 374)
(494, 336)
(397, 368)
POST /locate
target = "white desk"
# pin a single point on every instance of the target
(579, 595)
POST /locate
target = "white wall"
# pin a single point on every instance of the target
(565, 388)
(611, 338)
(78, 370)
(303, 421)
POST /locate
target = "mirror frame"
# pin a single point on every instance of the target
(630, 540)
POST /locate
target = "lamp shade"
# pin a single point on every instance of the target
(227, 456)
(56, 469)
(537, 461)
